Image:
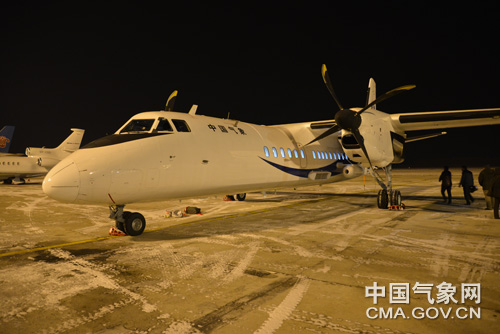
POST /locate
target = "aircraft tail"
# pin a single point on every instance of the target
(6, 135)
(49, 157)
(72, 143)
(371, 95)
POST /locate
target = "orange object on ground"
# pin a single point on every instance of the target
(114, 231)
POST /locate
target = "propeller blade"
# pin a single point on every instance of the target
(169, 106)
(387, 95)
(328, 83)
(328, 132)
(361, 142)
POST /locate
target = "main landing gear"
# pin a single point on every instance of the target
(132, 223)
(386, 196)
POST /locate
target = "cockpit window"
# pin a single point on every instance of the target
(164, 125)
(138, 125)
(181, 125)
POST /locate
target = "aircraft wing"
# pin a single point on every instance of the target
(445, 119)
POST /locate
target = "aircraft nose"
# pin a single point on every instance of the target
(62, 183)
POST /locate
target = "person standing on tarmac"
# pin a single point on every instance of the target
(467, 181)
(486, 180)
(445, 179)
(495, 193)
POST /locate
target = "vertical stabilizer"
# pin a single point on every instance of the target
(6, 135)
(371, 95)
(72, 143)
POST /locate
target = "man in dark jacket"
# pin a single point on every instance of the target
(495, 193)
(486, 180)
(445, 179)
(467, 181)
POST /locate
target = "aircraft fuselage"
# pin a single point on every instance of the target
(197, 156)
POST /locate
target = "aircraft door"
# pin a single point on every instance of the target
(302, 156)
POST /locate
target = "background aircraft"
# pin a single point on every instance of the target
(164, 154)
(6, 135)
(38, 161)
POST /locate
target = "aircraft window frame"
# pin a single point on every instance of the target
(314, 154)
(266, 151)
(282, 151)
(275, 152)
(138, 125)
(296, 153)
(181, 125)
(303, 156)
(290, 153)
(331, 157)
(322, 155)
(166, 121)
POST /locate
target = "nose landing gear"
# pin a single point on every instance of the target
(132, 223)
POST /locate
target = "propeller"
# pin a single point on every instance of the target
(350, 120)
(169, 106)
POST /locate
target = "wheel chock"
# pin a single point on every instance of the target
(397, 207)
(114, 231)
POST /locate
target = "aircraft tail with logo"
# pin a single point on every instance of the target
(6, 135)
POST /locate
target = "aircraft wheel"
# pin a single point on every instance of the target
(241, 197)
(135, 223)
(396, 198)
(120, 225)
(382, 199)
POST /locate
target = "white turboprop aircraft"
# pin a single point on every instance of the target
(38, 161)
(163, 155)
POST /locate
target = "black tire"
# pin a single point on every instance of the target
(135, 223)
(396, 198)
(382, 199)
(120, 225)
(241, 197)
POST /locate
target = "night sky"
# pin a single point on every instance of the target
(93, 66)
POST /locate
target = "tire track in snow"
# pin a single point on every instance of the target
(103, 280)
(239, 270)
(284, 310)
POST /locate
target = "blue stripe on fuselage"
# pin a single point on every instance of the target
(332, 168)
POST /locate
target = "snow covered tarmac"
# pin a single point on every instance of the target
(290, 262)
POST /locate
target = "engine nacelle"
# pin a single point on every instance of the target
(46, 162)
(383, 145)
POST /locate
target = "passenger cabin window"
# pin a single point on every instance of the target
(181, 125)
(164, 125)
(138, 125)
